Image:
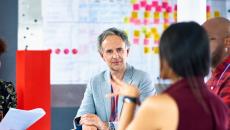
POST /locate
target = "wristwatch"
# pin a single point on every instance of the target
(111, 126)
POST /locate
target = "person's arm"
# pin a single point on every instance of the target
(156, 112)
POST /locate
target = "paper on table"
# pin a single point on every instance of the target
(17, 119)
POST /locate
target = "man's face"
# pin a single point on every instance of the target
(114, 52)
(216, 45)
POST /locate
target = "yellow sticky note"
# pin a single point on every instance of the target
(136, 33)
(126, 20)
(216, 13)
(148, 35)
(147, 50)
(166, 15)
(134, 14)
(156, 50)
(165, 26)
(146, 14)
(133, 1)
(208, 15)
(126, 32)
(154, 30)
(157, 37)
(175, 16)
(156, 15)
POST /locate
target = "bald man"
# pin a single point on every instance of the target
(219, 33)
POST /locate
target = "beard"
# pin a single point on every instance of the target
(216, 57)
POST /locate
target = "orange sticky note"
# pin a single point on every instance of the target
(136, 33)
(134, 14)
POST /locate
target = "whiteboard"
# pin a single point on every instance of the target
(69, 28)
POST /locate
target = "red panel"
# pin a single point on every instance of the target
(33, 84)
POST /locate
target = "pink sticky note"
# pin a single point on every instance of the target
(135, 40)
(57, 51)
(145, 21)
(136, 7)
(164, 5)
(156, 21)
(156, 42)
(166, 20)
(74, 51)
(136, 22)
(158, 8)
(146, 41)
(132, 20)
(143, 3)
(154, 3)
(208, 8)
(169, 9)
(66, 51)
(148, 7)
(175, 7)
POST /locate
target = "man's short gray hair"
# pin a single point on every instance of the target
(109, 32)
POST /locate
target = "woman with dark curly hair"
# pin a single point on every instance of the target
(7, 90)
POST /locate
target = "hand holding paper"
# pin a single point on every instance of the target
(17, 119)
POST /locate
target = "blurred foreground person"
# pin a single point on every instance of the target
(187, 104)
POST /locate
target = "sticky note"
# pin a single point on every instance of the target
(126, 32)
(154, 3)
(148, 35)
(148, 7)
(144, 30)
(136, 33)
(146, 14)
(133, 1)
(166, 21)
(216, 13)
(165, 25)
(156, 50)
(146, 41)
(208, 15)
(126, 20)
(135, 40)
(175, 7)
(143, 3)
(156, 21)
(165, 15)
(169, 9)
(136, 7)
(208, 8)
(158, 8)
(175, 16)
(134, 14)
(156, 37)
(156, 15)
(146, 21)
(164, 4)
(154, 30)
(147, 50)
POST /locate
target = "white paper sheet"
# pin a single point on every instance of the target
(17, 119)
